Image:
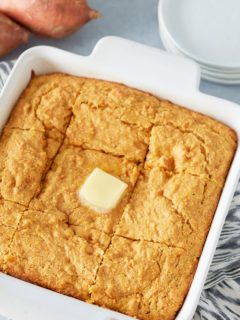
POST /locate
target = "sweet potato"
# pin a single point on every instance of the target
(53, 18)
(11, 35)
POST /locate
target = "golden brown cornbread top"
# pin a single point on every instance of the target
(61, 186)
(140, 258)
(10, 214)
(25, 158)
(46, 250)
(139, 278)
(175, 209)
(46, 104)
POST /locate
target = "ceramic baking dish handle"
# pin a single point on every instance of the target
(148, 65)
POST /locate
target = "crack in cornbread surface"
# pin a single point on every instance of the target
(140, 258)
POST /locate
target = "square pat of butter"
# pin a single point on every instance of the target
(101, 191)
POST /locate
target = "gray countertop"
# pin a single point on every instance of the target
(135, 20)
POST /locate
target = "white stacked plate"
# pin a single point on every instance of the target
(207, 31)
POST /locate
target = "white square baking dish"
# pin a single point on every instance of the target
(145, 68)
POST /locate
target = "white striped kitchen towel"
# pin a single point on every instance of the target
(220, 299)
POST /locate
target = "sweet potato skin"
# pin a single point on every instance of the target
(11, 35)
(52, 18)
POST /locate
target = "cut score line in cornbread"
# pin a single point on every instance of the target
(46, 251)
(139, 278)
(140, 256)
(60, 189)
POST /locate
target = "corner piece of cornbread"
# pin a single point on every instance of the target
(140, 257)
(143, 279)
(46, 251)
(46, 104)
(193, 150)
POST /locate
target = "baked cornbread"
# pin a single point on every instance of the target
(22, 150)
(60, 189)
(142, 281)
(67, 263)
(10, 214)
(105, 109)
(175, 207)
(140, 257)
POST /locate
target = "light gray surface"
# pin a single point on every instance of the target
(135, 20)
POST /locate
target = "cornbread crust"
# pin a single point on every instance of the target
(141, 257)
(10, 215)
(139, 278)
(46, 251)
